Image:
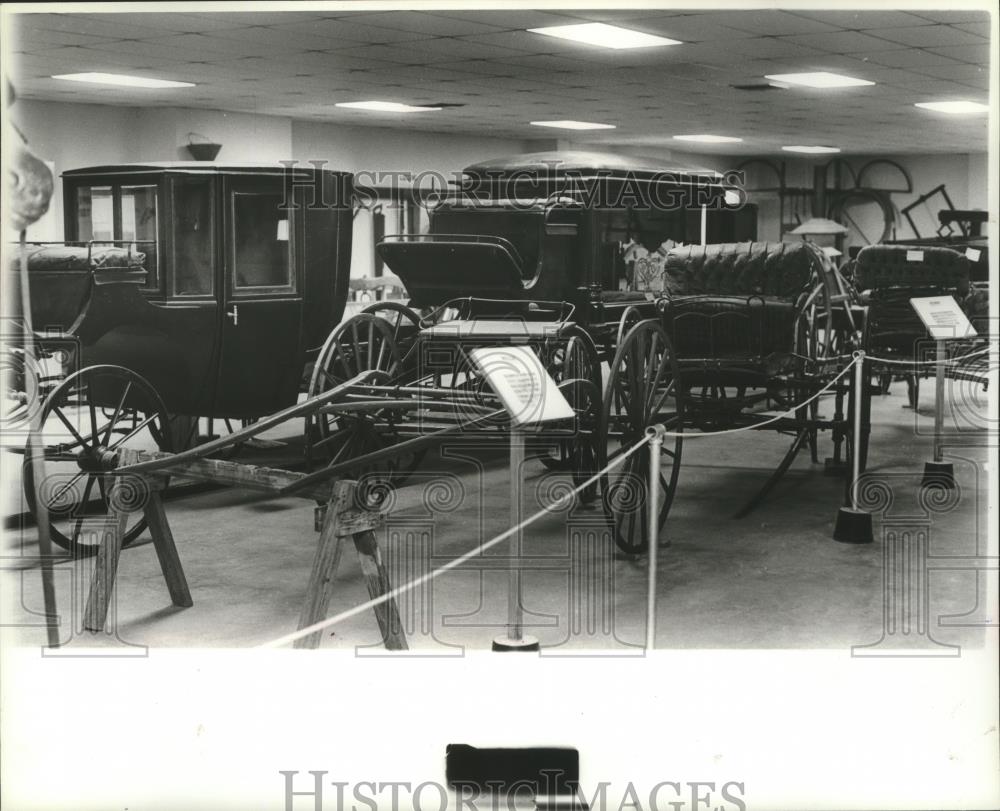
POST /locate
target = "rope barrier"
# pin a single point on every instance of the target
(557, 504)
(768, 421)
(935, 362)
(452, 564)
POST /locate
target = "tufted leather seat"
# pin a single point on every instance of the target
(890, 275)
(736, 304)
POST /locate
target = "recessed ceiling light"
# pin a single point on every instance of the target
(573, 125)
(605, 36)
(385, 106)
(821, 79)
(814, 150)
(120, 79)
(709, 139)
(954, 107)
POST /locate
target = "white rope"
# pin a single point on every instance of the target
(935, 362)
(452, 564)
(768, 421)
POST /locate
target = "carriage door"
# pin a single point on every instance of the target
(261, 361)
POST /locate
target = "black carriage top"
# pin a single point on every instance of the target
(563, 226)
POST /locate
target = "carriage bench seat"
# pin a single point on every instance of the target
(736, 305)
(62, 275)
(890, 275)
(490, 331)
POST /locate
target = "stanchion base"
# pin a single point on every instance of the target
(939, 474)
(526, 644)
(853, 526)
(834, 467)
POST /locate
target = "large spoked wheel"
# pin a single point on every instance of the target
(363, 343)
(84, 422)
(405, 321)
(573, 364)
(643, 389)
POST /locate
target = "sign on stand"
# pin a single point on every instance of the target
(945, 321)
(943, 318)
(530, 396)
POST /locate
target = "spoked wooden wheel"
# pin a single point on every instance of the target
(573, 364)
(84, 422)
(643, 390)
(363, 343)
(405, 321)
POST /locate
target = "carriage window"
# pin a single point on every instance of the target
(260, 233)
(139, 225)
(193, 249)
(95, 207)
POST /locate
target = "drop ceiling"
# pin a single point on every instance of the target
(300, 64)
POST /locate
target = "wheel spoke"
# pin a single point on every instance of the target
(118, 411)
(134, 431)
(57, 495)
(58, 412)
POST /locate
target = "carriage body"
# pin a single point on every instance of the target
(588, 229)
(212, 282)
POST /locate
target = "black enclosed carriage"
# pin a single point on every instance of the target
(184, 292)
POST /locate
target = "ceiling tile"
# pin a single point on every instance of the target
(429, 24)
(844, 42)
(930, 36)
(771, 22)
(972, 54)
(856, 20)
(910, 58)
(967, 16)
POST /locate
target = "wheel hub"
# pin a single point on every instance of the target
(97, 460)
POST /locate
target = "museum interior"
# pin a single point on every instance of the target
(560, 330)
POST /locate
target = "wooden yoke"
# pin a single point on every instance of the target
(341, 518)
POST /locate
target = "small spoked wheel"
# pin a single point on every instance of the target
(85, 421)
(643, 389)
(573, 364)
(364, 343)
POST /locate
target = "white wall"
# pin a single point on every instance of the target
(77, 135)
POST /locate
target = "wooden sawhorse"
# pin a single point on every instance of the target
(342, 516)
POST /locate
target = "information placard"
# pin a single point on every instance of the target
(943, 317)
(526, 390)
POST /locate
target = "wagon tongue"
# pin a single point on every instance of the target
(437, 268)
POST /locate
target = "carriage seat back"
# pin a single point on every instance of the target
(438, 267)
(890, 275)
(62, 276)
(736, 302)
(779, 270)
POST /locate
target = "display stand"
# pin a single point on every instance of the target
(945, 321)
(531, 397)
(939, 473)
(854, 525)
(515, 639)
(655, 434)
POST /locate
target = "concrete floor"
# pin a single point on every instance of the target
(775, 579)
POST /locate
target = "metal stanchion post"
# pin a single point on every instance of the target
(515, 640)
(655, 434)
(854, 525)
(939, 473)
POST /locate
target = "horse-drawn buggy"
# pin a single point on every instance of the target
(589, 259)
(599, 264)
